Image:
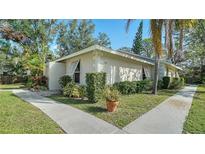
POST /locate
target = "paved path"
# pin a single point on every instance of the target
(167, 118)
(70, 119)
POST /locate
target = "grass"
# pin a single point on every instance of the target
(12, 86)
(195, 122)
(19, 117)
(130, 108)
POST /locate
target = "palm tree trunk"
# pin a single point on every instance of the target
(181, 37)
(156, 72)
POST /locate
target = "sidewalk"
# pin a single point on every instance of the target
(167, 118)
(70, 119)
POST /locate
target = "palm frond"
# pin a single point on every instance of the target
(129, 21)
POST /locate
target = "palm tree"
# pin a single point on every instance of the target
(156, 32)
(170, 25)
(181, 25)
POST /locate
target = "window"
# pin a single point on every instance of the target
(143, 74)
(77, 73)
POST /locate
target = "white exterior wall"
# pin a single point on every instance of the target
(120, 69)
(87, 64)
(56, 70)
(165, 70)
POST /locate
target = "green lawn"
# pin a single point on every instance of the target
(19, 117)
(11, 86)
(195, 122)
(130, 108)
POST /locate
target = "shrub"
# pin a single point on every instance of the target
(182, 81)
(95, 85)
(125, 87)
(111, 94)
(64, 80)
(75, 91)
(67, 90)
(160, 84)
(146, 84)
(29, 83)
(37, 82)
(82, 90)
(132, 87)
(166, 82)
(203, 80)
(44, 81)
(175, 83)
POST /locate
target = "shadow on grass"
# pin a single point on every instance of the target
(67, 100)
(96, 109)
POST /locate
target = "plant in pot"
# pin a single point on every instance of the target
(112, 98)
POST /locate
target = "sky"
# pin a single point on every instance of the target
(115, 29)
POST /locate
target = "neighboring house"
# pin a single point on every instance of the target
(118, 65)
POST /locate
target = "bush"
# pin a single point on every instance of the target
(75, 91)
(182, 81)
(172, 83)
(111, 94)
(166, 82)
(146, 84)
(203, 80)
(82, 90)
(175, 83)
(67, 90)
(132, 87)
(64, 80)
(160, 84)
(37, 82)
(95, 85)
(125, 87)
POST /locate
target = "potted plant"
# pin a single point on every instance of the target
(112, 98)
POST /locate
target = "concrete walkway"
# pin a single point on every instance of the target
(166, 118)
(70, 119)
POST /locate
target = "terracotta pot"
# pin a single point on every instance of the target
(112, 105)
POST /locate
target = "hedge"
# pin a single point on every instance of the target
(172, 83)
(95, 85)
(64, 80)
(166, 80)
(132, 87)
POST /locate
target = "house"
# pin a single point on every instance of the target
(119, 66)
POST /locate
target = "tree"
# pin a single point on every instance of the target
(75, 36)
(156, 31)
(103, 40)
(34, 37)
(148, 48)
(176, 53)
(195, 53)
(126, 49)
(137, 43)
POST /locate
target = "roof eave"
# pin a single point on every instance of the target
(100, 48)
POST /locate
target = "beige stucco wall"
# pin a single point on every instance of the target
(119, 68)
(56, 70)
(166, 70)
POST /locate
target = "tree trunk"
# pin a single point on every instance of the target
(156, 72)
(181, 38)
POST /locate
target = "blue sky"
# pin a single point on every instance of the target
(115, 29)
